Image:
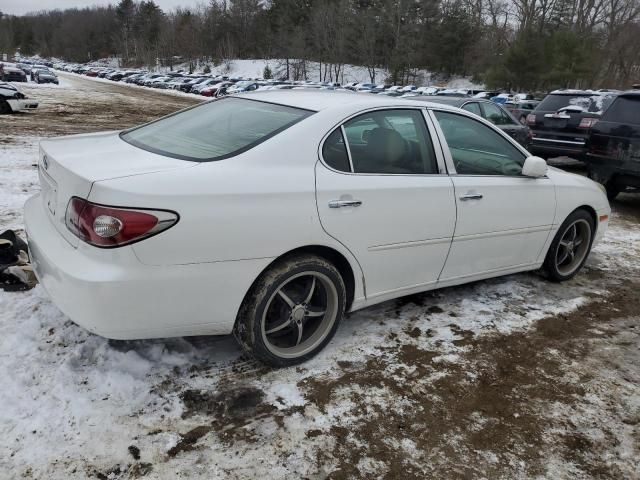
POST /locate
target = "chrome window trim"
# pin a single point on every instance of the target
(347, 147)
(435, 141)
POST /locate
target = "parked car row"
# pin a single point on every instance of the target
(218, 85)
(21, 72)
(563, 123)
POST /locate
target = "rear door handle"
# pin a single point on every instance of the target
(344, 203)
(471, 196)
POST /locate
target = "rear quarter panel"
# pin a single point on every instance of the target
(259, 204)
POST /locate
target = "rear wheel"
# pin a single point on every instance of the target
(570, 247)
(292, 311)
(612, 189)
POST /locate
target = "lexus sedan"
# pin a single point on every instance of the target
(271, 214)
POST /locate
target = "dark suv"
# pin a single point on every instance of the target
(561, 123)
(613, 157)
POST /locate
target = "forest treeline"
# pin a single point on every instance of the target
(516, 44)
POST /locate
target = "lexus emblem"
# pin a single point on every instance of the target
(45, 162)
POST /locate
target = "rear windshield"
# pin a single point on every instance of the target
(624, 110)
(215, 130)
(588, 103)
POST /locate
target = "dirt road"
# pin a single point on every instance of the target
(81, 105)
(503, 379)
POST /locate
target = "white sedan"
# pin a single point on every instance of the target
(12, 100)
(271, 214)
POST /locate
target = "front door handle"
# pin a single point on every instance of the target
(471, 196)
(344, 203)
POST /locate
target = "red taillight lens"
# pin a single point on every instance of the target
(531, 119)
(104, 226)
(587, 122)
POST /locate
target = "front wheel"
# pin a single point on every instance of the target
(5, 107)
(292, 311)
(570, 247)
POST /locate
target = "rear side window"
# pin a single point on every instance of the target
(391, 141)
(215, 130)
(624, 110)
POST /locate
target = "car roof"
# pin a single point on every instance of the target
(630, 93)
(453, 101)
(317, 100)
(574, 92)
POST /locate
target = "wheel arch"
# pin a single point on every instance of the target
(591, 211)
(338, 259)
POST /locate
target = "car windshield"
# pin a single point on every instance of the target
(215, 130)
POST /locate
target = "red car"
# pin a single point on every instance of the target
(213, 89)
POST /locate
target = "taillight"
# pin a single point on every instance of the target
(104, 226)
(531, 119)
(588, 122)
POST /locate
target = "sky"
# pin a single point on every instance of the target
(19, 7)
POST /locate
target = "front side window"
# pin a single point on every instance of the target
(215, 130)
(390, 141)
(476, 149)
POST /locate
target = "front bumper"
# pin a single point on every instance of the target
(111, 293)
(22, 104)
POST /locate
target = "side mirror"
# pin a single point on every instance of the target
(534, 167)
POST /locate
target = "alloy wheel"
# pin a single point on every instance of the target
(299, 314)
(573, 247)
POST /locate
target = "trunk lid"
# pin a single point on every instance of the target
(68, 167)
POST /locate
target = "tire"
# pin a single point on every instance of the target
(292, 311)
(5, 107)
(567, 255)
(612, 189)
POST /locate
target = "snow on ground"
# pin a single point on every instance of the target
(486, 380)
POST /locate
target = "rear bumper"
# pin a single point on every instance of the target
(111, 293)
(550, 146)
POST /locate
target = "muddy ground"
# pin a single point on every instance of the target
(509, 378)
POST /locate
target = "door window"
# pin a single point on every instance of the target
(478, 150)
(390, 141)
(472, 107)
(496, 115)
